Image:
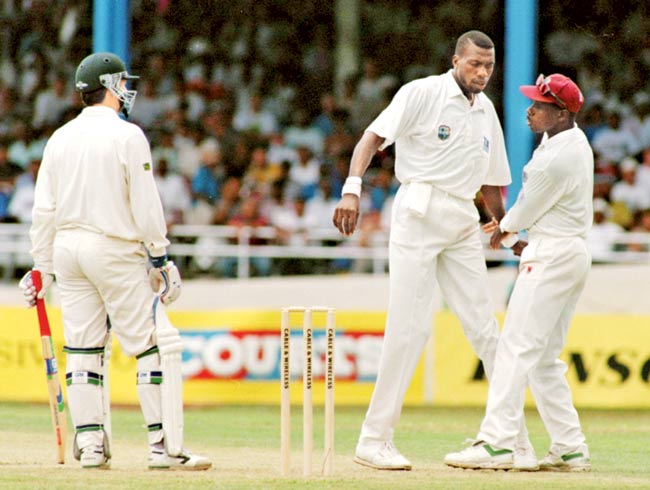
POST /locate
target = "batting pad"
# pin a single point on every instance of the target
(170, 347)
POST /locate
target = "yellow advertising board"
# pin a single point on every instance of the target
(232, 357)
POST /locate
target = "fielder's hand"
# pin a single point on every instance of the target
(346, 214)
(30, 295)
(519, 247)
(166, 282)
(497, 237)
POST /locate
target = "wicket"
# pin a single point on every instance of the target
(285, 399)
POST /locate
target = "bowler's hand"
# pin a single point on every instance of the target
(519, 247)
(346, 214)
(489, 227)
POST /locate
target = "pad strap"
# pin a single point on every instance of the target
(83, 350)
(149, 377)
(84, 378)
(148, 352)
(89, 427)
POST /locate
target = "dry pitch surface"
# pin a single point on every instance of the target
(25, 465)
(243, 444)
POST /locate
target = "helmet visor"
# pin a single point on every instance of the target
(112, 82)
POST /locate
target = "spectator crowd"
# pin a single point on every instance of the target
(246, 124)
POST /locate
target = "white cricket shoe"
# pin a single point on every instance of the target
(576, 460)
(93, 456)
(481, 455)
(381, 455)
(525, 458)
(160, 460)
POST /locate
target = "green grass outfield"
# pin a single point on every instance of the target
(243, 443)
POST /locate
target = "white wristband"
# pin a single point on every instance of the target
(510, 240)
(352, 186)
(353, 180)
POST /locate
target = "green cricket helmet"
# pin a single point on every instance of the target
(105, 70)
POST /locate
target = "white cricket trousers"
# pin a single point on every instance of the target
(99, 276)
(443, 245)
(552, 274)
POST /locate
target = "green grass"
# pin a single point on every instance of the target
(243, 443)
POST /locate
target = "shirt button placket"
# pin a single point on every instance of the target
(467, 130)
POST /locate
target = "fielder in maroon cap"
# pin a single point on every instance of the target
(555, 207)
(555, 89)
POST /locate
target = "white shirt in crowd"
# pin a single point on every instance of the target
(556, 198)
(22, 202)
(262, 122)
(308, 137)
(644, 134)
(174, 195)
(20, 153)
(280, 152)
(188, 155)
(425, 149)
(643, 177)
(96, 175)
(601, 239)
(634, 196)
(319, 212)
(49, 107)
(148, 110)
(289, 222)
(614, 144)
(307, 174)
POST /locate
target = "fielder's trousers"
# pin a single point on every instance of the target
(552, 275)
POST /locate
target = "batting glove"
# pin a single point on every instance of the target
(165, 280)
(30, 294)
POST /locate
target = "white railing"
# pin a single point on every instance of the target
(14, 249)
(214, 242)
(240, 242)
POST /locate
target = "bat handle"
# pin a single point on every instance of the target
(37, 280)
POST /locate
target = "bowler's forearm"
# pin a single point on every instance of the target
(493, 201)
(363, 152)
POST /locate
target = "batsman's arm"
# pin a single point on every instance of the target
(146, 207)
(55, 394)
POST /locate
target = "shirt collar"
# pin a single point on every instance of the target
(453, 90)
(560, 137)
(98, 110)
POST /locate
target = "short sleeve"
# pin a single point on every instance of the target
(498, 166)
(397, 120)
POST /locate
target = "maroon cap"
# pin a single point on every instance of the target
(555, 89)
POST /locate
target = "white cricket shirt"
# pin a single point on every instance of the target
(441, 139)
(97, 175)
(556, 198)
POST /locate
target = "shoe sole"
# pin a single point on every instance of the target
(566, 469)
(480, 466)
(181, 468)
(363, 462)
(97, 467)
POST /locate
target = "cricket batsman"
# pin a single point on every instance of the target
(98, 226)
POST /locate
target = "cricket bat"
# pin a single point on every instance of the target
(57, 408)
